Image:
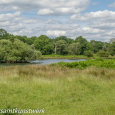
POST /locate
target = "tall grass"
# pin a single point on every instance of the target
(59, 90)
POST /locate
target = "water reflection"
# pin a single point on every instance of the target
(49, 61)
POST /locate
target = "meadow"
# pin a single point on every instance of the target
(60, 89)
(57, 56)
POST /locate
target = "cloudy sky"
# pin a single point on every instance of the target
(92, 19)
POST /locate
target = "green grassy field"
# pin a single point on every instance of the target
(59, 90)
(56, 56)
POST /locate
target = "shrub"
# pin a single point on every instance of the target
(17, 51)
(102, 53)
(107, 54)
(89, 53)
(88, 63)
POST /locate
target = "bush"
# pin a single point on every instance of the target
(17, 51)
(107, 54)
(89, 53)
(88, 63)
(102, 53)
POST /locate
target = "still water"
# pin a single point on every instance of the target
(41, 62)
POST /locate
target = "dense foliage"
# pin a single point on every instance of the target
(89, 53)
(103, 53)
(42, 44)
(17, 51)
(74, 48)
(88, 63)
(63, 45)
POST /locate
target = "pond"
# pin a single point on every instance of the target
(42, 62)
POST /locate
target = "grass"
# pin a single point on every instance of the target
(59, 90)
(57, 56)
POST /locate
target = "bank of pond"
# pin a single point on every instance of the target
(42, 62)
(70, 63)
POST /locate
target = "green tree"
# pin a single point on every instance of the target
(5, 48)
(89, 53)
(102, 53)
(3, 34)
(96, 45)
(17, 51)
(21, 38)
(75, 48)
(61, 47)
(61, 38)
(42, 44)
(88, 46)
(83, 42)
(111, 47)
(104, 47)
(112, 40)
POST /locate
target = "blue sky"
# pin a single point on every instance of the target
(97, 5)
(92, 19)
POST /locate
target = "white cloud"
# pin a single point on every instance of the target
(99, 25)
(31, 21)
(95, 3)
(112, 5)
(60, 11)
(103, 26)
(92, 16)
(6, 23)
(16, 27)
(60, 27)
(51, 21)
(45, 7)
(11, 22)
(55, 33)
(89, 30)
(10, 16)
(45, 11)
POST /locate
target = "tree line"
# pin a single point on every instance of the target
(59, 45)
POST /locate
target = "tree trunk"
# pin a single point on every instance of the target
(55, 48)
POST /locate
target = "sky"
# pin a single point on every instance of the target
(91, 19)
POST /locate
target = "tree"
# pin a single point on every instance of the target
(42, 44)
(61, 38)
(89, 53)
(102, 53)
(21, 38)
(88, 46)
(70, 41)
(83, 42)
(104, 47)
(74, 48)
(112, 40)
(61, 47)
(96, 45)
(3, 34)
(5, 48)
(17, 51)
(113, 48)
